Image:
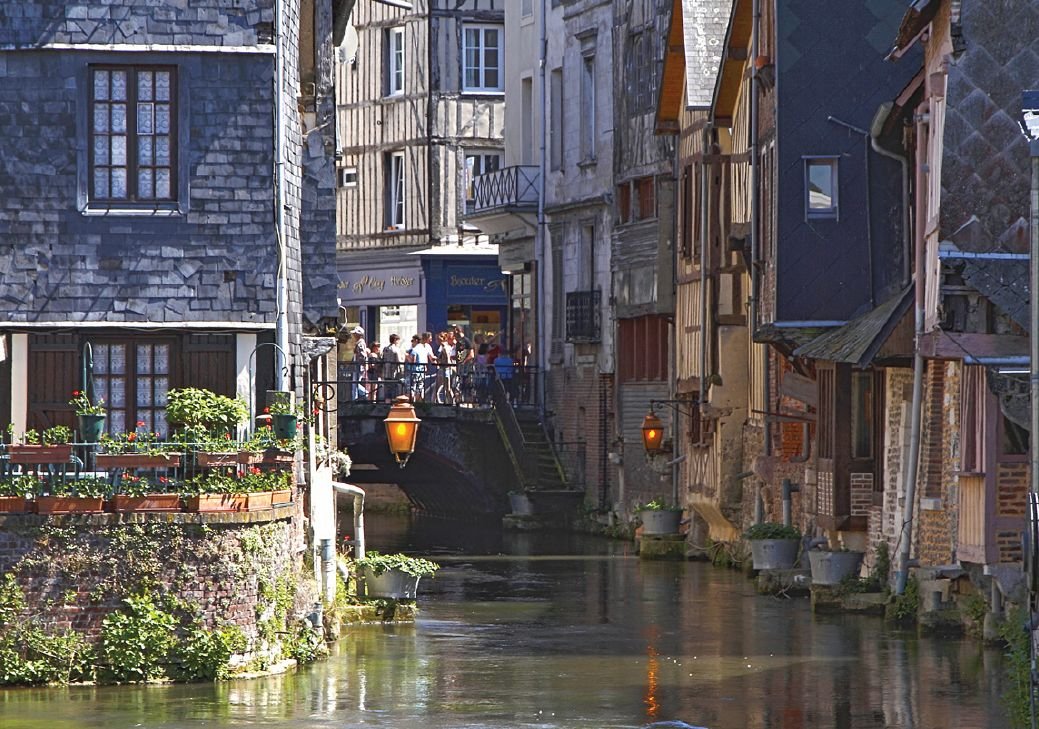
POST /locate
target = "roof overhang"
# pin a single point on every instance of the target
(860, 340)
(730, 75)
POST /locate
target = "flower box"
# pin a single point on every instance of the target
(15, 505)
(281, 497)
(272, 457)
(39, 454)
(217, 459)
(138, 460)
(147, 502)
(69, 505)
(216, 502)
(259, 500)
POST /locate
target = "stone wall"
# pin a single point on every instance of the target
(76, 570)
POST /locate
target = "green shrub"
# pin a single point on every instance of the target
(658, 504)
(195, 409)
(204, 654)
(1016, 697)
(769, 530)
(414, 566)
(136, 643)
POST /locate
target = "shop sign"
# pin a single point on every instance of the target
(483, 283)
(380, 285)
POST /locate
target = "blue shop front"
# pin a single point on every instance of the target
(469, 291)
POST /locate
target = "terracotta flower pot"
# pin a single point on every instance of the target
(281, 497)
(148, 502)
(217, 459)
(15, 505)
(138, 460)
(69, 505)
(216, 502)
(39, 454)
(272, 457)
(259, 501)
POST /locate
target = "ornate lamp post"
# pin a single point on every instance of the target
(402, 429)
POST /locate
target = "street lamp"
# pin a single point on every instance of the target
(402, 429)
(652, 432)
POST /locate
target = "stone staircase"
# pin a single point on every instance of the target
(548, 471)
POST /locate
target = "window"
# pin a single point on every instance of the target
(825, 413)
(132, 134)
(636, 200)
(527, 8)
(1013, 440)
(394, 61)
(642, 349)
(556, 119)
(394, 175)
(686, 204)
(476, 164)
(821, 187)
(527, 111)
(588, 134)
(862, 415)
(481, 58)
(639, 71)
(972, 425)
(347, 176)
(133, 379)
(624, 203)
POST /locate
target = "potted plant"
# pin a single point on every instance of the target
(74, 496)
(54, 446)
(264, 449)
(139, 493)
(214, 491)
(16, 494)
(393, 576)
(266, 488)
(139, 448)
(198, 411)
(832, 566)
(91, 416)
(285, 416)
(773, 546)
(659, 517)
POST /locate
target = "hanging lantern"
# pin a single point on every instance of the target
(652, 433)
(402, 429)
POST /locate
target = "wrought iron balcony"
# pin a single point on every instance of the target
(583, 316)
(512, 189)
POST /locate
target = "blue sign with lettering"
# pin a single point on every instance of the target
(475, 284)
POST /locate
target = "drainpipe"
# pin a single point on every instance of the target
(357, 493)
(539, 253)
(874, 135)
(281, 333)
(755, 214)
(676, 168)
(1033, 375)
(789, 487)
(705, 179)
(902, 575)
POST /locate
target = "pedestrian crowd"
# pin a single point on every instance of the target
(449, 369)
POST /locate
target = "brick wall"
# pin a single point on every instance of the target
(861, 494)
(1011, 502)
(74, 571)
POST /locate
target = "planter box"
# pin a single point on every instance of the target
(69, 505)
(148, 502)
(216, 502)
(774, 554)
(259, 501)
(831, 568)
(392, 584)
(521, 505)
(655, 523)
(138, 460)
(267, 458)
(281, 497)
(15, 505)
(217, 459)
(39, 454)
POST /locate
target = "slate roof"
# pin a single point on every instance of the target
(1003, 282)
(857, 341)
(705, 23)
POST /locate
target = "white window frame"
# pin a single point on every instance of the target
(471, 173)
(396, 209)
(347, 177)
(588, 104)
(832, 212)
(395, 61)
(481, 87)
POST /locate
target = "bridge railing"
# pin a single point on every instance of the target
(467, 384)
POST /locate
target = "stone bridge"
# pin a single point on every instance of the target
(460, 464)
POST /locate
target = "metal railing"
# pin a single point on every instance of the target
(583, 316)
(468, 384)
(571, 459)
(510, 187)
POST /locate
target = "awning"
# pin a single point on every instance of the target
(858, 341)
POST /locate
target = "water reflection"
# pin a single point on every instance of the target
(528, 630)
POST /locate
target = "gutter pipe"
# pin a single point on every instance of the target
(281, 333)
(347, 489)
(539, 254)
(755, 214)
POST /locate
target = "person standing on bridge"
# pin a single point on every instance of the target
(361, 354)
(392, 358)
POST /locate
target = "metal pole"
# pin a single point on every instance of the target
(541, 337)
(1033, 374)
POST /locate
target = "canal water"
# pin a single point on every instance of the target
(540, 632)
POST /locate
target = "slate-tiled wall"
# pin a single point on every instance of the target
(198, 22)
(58, 264)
